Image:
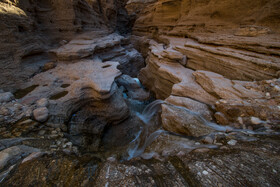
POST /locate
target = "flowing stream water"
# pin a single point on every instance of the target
(150, 131)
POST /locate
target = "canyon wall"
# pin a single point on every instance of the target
(28, 29)
(223, 54)
(240, 37)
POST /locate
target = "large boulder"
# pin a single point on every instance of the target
(192, 105)
(183, 121)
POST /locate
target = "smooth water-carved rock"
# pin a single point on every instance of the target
(213, 39)
(133, 88)
(183, 121)
(41, 114)
(222, 87)
(14, 153)
(192, 105)
(42, 102)
(165, 78)
(6, 97)
(80, 47)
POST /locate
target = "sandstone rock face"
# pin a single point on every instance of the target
(70, 88)
(192, 105)
(133, 88)
(222, 87)
(85, 46)
(164, 76)
(29, 29)
(167, 76)
(215, 36)
(180, 120)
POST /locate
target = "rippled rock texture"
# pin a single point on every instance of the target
(72, 109)
(237, 166)
(222, 37)
(29, 28)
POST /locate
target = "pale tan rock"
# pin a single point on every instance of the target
(42, 102)
(41, 114)
(221, 118)
(192, 105)
(208, 34)
(252, 31)
(222, 87)
(80, 48)
(165, 78)
(184, 122)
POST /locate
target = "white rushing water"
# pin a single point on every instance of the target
(144, 137)
(149, 131)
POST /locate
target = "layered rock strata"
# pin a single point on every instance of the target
(29, 28)
(214, 54)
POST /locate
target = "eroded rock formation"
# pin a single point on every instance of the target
(73, 111)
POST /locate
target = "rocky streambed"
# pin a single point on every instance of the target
(87, 121)
(167, 105)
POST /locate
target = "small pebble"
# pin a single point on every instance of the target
(240, 120)
(42, 132)
(208, 140)
(219, 144)
(277, 88)
(224, 147)
(232, 142)
(181, 153)
(69, 144)
(205, 172)
(58, 142)
(223, 101)
(165, 153)
(255, 120)
(67, 151)
(111, 159)
(202, 150)
(250, 128)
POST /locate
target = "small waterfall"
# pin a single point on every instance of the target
(150, 131)
(145, 137)
(203, 120)
(149, 111)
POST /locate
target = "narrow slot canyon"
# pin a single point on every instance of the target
(139, 93)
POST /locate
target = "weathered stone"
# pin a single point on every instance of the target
(133, 88)
(6, 97)
(222, 87)
(183, 121)
(232, 142)
(221, 118)
(192, 105)
(14, 153)
(42, 102)
(48, 66)
(79, 48)
(41, 114)
(255, 121)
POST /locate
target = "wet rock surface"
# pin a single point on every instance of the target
(217, 167)
(79, 93)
